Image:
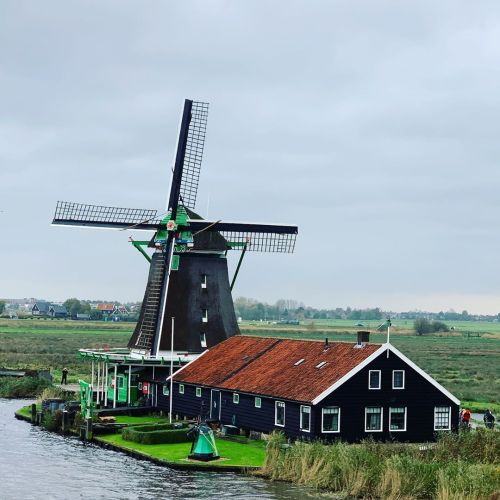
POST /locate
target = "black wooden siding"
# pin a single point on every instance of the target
(419, 397)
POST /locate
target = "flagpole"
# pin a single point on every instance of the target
(388, 334)
(171, 367)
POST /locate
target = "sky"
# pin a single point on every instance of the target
(373, 126)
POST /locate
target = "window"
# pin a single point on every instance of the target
(121, 382)
(374, 379)
(442, 418)
(203, 281)
(258, 403)
(299, 362)
(203, 340)
(305, 418)
(236, 398)
(279, 414)
(398, 379)
(198, 392)
(181, 388)
(204, 315)
(373, 419)
(397, 419)
(139, 386)
(330, 419)
(320, 365)
(166, 390)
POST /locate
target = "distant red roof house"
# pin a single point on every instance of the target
(105, 307)
(297, 370)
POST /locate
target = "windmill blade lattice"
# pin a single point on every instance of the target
(194, 154)
(79, 214)
(257, 237)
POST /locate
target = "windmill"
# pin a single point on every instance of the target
(188, 275)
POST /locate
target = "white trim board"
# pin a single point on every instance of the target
(185, 366)
(384, 348)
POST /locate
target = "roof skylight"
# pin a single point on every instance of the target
(299, 362)
(321, 365)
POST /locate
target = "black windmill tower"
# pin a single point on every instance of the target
(188, 277)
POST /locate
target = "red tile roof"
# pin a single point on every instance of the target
(105, 307)
(266, 366)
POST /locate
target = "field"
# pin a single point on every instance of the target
(466, 365)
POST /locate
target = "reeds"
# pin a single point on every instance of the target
(457, 466)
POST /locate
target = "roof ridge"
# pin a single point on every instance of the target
(251, 360)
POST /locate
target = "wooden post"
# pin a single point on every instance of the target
(33, 413)
(115, 387)
(129, 382)
(105, 385)
(65, 422)
(88, 429)
(98, 396)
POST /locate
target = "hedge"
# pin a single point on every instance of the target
(156, 434)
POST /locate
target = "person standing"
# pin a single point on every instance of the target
(489, 419)
(64, 378)
(466, 419)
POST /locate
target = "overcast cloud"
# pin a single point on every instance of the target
(372, 125)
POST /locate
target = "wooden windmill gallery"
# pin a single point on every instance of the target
(186, 356)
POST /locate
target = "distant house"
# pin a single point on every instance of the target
(314, 390)
(40, 308)
(57, 311)
(106, 308)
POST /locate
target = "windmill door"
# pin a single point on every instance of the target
(215, 404)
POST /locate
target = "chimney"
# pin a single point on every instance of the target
(363, 338)
(326, 344)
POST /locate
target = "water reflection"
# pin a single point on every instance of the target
(37, 464)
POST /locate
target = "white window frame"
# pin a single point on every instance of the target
(198, 392)
(322, 425)
(203, 281)
(236, 398)
(381, 419)
(449, 418)
(379, 380)
(204, 315)
(276, 413)
(259, 401)
(181, 388)
(390, 419)
(203, 339)
(301, 426)
(404, 379)
(165, 386)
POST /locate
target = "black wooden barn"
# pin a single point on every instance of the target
(313, 390)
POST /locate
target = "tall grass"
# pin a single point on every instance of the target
(458, 466)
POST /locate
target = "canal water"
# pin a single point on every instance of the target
(37, 464)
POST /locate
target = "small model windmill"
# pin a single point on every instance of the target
(188, 276)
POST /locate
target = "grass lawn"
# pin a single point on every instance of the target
(25, 411)
(249, 454)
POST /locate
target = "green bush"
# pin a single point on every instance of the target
(156, 434)
(24, 387)
(52, 421)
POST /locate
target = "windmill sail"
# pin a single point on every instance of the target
(79, 214)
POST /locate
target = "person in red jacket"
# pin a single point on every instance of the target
(466, 419)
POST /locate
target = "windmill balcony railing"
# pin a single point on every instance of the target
(125, 356)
